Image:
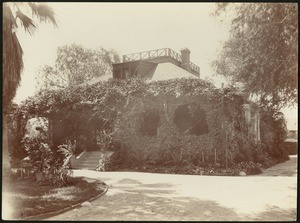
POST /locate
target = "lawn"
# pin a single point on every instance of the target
(28, 198)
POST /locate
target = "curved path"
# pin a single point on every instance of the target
(144, 196)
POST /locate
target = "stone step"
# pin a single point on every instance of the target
(87, 164)
(84, 168)
(89, 160)
(90, 157)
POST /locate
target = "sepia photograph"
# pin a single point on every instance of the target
(149, 111)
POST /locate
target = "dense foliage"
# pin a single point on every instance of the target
(15, 14)
(262, 50)
(75, 65)
(111, 113)
(31, 146)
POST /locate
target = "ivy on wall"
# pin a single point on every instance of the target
(113, 112)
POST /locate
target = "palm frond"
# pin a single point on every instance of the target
(27, 22)
(8, 16)
(12, 58)
(12, 50)
(43, 12)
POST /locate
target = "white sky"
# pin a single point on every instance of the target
(128, 28)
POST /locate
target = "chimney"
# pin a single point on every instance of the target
(185, 57)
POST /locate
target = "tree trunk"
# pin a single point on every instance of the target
(5, 151)
(6, 207)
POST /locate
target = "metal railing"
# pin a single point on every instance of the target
(195, 67)
(152, 54)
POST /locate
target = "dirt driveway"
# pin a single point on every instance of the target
(144, 196)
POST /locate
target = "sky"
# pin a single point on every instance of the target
(127, 28)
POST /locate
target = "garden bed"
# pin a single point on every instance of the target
(188, 168)
(28, 198)
(242, 168)
(213, 171)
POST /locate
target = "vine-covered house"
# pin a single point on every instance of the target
(155, 110)
(174, 126)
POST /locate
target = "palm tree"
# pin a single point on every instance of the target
(13, 17)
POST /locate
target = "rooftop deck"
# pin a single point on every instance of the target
(153, 54)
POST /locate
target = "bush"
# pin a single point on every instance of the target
(50, 165)
(117, 160)
(277, 151)
(39, 153)
(59, 170)
(291, 147)
(250, 168)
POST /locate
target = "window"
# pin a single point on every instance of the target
(126, 74)
(117, 74)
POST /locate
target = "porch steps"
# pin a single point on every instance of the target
(90, 159)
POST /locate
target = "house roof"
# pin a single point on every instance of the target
(162, 71)
(167, 71)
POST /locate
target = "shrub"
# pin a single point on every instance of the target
(38, 148)
(291, 147)
(50, 165)
(59, 170)
(117, 160)
(250, 168)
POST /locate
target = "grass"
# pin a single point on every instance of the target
(28, 198)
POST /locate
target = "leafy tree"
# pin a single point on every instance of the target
(75, 65)
(262, 50)
(14, 16)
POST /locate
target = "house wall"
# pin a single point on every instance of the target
(172, 145)
(169, 145)
(119, 69)
(131, 69)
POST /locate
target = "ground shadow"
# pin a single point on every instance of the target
(274, 213)
(150, 202)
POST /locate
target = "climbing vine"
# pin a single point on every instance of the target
(111, 113)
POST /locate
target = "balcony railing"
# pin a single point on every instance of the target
(195, 67)
(153, 54)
